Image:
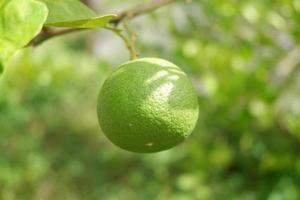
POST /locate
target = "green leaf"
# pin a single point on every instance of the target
(93, 22)
(20, 21)
(73, 13)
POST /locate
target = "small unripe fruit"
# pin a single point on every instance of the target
(147, 105)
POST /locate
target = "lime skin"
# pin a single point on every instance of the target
(147, 105)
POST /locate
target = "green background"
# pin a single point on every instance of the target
(243, 58)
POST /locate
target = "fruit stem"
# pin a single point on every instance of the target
(132, 39)
(129, 44)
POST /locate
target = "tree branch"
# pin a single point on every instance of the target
(48, 33)
(136, 11)
(141, 9)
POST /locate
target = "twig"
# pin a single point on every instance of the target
(128, 43)
(141, 9)
(132, 39)
(48, 32)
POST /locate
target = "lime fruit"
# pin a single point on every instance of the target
(147, 105)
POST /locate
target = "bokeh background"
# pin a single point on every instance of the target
(243, 58)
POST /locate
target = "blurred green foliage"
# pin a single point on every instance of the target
(243, 57)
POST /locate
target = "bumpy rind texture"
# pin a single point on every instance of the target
(147, 105)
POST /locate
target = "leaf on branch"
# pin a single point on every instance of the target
(74, 14)
(20, 21)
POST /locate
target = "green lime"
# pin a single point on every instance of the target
(147, 105)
